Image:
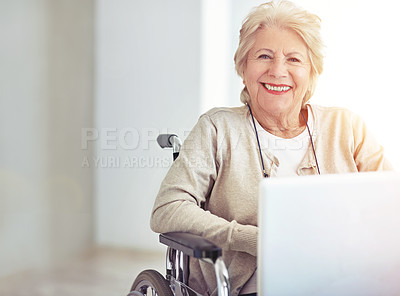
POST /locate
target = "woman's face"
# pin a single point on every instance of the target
(277, 73)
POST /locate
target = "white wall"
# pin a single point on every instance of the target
(70, 34)
(46, 98)
(23, 133)
(147, 82)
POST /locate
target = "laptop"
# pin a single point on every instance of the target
(336, 235)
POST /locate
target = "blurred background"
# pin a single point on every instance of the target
(87, 85)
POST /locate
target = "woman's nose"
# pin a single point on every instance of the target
(278, 68)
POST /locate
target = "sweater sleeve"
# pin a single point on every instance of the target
(186, 188)
(368, 153)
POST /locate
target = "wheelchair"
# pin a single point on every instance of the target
(180, 248)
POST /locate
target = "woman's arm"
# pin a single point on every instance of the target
(185, 189)
(368, 153)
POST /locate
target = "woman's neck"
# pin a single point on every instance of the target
(283, 125)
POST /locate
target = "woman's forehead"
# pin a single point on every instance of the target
(278, 39)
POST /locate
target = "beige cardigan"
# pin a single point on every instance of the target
(219, 168)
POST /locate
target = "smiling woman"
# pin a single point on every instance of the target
(277, 133)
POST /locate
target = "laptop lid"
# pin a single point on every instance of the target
(333, 235)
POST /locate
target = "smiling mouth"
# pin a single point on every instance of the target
(276, 88)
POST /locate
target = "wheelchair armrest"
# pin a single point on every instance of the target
(191, 245)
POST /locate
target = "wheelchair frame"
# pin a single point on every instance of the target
(181, 246)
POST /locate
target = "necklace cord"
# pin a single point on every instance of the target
(312, 142)
(258, 142)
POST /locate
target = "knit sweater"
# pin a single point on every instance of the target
(212, 188)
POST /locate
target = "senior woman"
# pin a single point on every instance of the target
(212, 188)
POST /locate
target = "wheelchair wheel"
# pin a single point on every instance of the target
(150, 282)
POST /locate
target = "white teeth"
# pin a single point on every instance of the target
(276, 88)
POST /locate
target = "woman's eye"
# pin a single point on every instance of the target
(294, 60)
(264, 57)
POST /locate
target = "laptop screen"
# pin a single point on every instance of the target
(330, 235)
